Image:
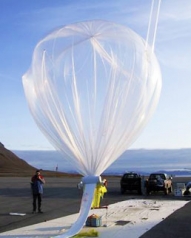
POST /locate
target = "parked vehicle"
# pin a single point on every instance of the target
(188, 188)
(130, 182)
(159, 182)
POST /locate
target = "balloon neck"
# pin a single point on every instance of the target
(91, 179)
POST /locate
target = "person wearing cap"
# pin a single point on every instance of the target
(37, 182)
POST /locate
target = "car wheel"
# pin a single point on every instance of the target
(139, 192)
(148, 191)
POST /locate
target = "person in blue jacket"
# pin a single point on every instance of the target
(37, 182)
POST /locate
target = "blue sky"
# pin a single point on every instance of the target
(24, 23)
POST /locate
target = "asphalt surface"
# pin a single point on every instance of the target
(177, 225)
(61, 198)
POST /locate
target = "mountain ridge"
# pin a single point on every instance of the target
(13, 166)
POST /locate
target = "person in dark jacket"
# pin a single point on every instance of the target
(37, 182)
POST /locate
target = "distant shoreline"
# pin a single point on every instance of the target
(58, 174)
(143, 161)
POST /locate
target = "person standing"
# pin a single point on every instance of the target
(37, 182)
(99, 192)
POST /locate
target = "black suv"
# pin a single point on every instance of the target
(159, 182)
(130, 182)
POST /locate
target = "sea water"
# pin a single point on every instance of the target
(175, 161)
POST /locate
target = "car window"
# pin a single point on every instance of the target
(157, 176)
(162, 176)
(130, 176)
(153, 176)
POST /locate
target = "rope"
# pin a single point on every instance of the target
(153, 23)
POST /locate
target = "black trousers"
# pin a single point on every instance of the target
(36, 197)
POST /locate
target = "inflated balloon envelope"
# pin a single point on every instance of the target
(91, 88)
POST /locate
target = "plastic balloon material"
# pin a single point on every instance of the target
(83, 214)
(91, 88)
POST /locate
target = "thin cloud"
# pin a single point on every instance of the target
(48, 18)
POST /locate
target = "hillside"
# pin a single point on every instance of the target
(12, 165)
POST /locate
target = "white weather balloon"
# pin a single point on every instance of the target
(91, 89)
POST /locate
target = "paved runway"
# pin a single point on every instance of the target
(61, 198)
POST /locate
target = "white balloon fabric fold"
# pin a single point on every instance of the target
(83, 214)
(91, 89)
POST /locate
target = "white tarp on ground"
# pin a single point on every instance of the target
(133, 217)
